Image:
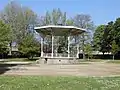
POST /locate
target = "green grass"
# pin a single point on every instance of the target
(58, 83)
(21, 59)
(114, 61)
(92, 60)
(80, 63)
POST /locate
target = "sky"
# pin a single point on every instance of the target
(101, 11)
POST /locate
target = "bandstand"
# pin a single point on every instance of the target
(59, 44)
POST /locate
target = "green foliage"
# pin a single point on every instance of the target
(98, 36)
(20, 18)
(115, 48)
(116, 32)
(29, 46)
(55, 17)
(59, 83)
(69, 22)
(103, 37)
(88, 50)
(5, 37)
(115, 61)
(107, 37)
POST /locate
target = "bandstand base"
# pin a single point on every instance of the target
(58, 60)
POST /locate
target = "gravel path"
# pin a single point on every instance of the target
(93, 69)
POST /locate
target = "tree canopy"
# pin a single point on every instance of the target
(98, 36)
(114, 48)
(29, 46)
(20, 19)
(106, 37)
(5, 37)
(17, 25)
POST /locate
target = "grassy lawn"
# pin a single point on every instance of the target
(114, 61)
(21, 59)
(58, 83)
(92, 60)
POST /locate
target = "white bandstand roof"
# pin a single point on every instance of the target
(59, 30)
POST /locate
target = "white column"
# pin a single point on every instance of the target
(77, 45)
(41, 46)
(52, 44)
(77, 51)
(68, 46)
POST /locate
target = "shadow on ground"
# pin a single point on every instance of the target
(5, 67)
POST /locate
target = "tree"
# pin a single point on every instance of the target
(8, 15)
(115, 48)
(88, 50)
(116, 31)
(98, 37)
(5, 37)
(107, 37)
(21, 20)
(56, 17)
(29, 46)
(69, 22)
(84, 21)
(103, 37)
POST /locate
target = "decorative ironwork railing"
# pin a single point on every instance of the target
(58, 55)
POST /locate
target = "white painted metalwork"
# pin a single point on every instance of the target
(53, 31)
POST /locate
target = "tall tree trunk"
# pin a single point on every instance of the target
(113, 57)
(83, 55)
(103, 55)
(2, 55)
(10, 50)
(88, 58)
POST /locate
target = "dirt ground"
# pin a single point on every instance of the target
(93, 69)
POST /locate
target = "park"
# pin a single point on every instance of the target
(57, 51)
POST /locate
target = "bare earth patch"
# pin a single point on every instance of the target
(93, 69)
